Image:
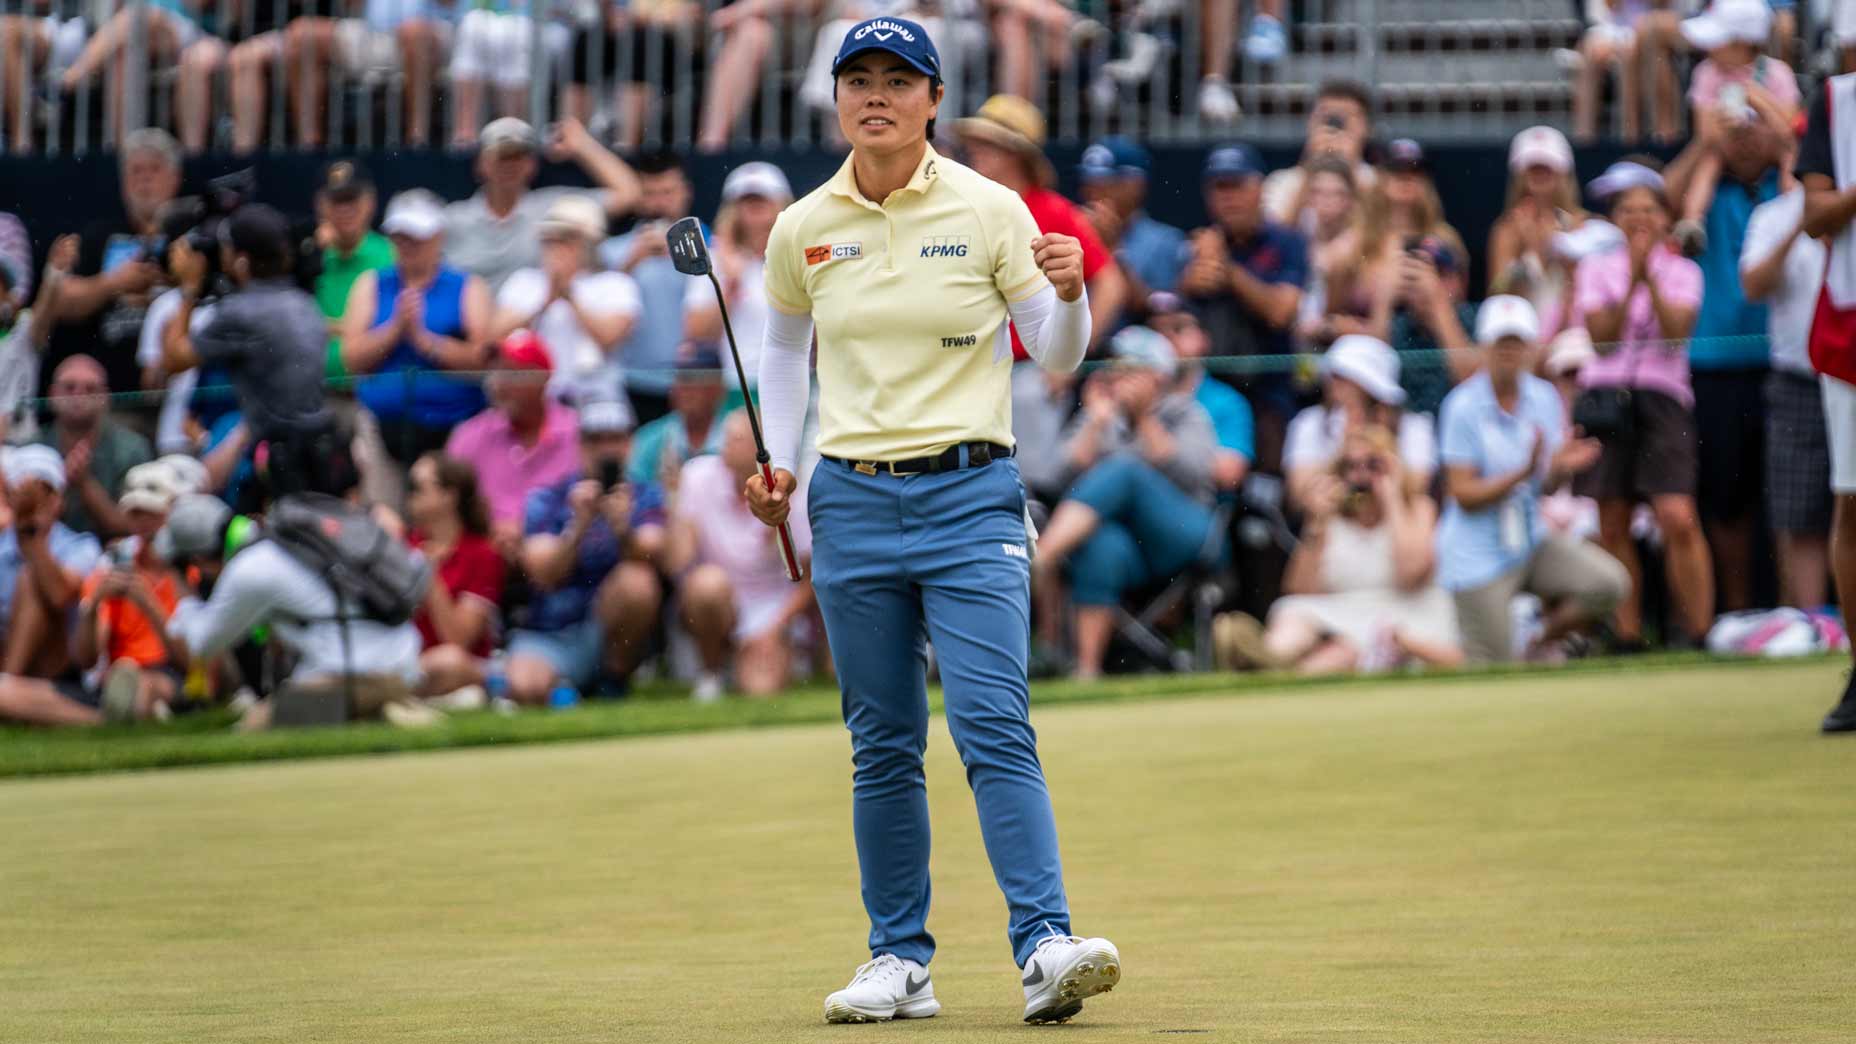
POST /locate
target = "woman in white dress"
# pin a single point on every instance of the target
(1361, 590)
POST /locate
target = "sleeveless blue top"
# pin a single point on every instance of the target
(427, 395)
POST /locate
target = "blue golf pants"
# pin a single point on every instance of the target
(941, 558)
(1149, 529)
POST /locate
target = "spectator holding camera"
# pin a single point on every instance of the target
(1425, 312)
(590, 551)
(745, 615)
(1504, 449)
(1339, 126)
(1527, 257)
(407, 325)
(1359, 388)
(1402, 210)
(1639, 304)
(1142, 457)
(1333, 255)
(43, 564)
(1360, 593)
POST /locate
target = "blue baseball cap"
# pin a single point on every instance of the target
(898, 36)
(1233, 161)
(1114, 157)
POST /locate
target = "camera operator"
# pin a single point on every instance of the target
(270, 339)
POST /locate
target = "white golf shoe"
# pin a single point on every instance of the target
(886, 988)
(1064, 970)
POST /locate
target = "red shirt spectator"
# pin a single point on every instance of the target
(474, 569)
(1054, 213)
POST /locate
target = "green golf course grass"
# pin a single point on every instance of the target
(1648, 856)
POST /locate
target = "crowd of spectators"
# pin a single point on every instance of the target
(1593, 457)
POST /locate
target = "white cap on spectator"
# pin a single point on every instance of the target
(1570, 351)
(151, 486)
(506, 132)
(196, 528)
(1145, 348)
(190, 470)
(1596, 236)
(606, 417)
(1540, 147)
(1623, 176)
(1729, 21)
(1368, 362)
(416, 214)
(22, 464)
(1506, 315)
(575, 216)
(758, 178)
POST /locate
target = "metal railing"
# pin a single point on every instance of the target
(360, 75)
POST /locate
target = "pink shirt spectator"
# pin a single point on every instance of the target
(1640, 360)
(728, 535)
(1704, 85)
(508, 471)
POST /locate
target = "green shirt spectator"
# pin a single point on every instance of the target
(345, 216)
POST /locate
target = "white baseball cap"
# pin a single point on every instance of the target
(416, 214)
(1506, 315)
(22, 464)
(1368, 362)
(758, 178)
(1540, 147)
(152, 486)
(190, 470)
(1570, 351)
(1729, 21)
(606, 417)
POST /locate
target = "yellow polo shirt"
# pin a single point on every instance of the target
(908, 296)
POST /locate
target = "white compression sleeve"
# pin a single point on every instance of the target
(785, 385)
(1055, 332)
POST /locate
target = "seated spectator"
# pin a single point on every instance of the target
(1734, 87)
(1340, 123)
(745, 615)
(106, 297)
(1527, 257)
(1359, 388)
(123, 615)
(359, 665)
(745, 33)
(1783, 268)
(1016, 27)
(1610, 42)
(650, 353)
(167, 29)
(23, 335)
(1425, 312)
(494, 233)
(590, 552)
(458, 622)
(657, 37)
(1360, 590)
(525, 441)
(1141, 453)
(1005, 142)
(36, 39)
(753, 195)
(494, 45)
(1401, 212)
(581, 314)
(1230, 415)
(691, 429)
(1640, 302)
(42, 569)
(1245, 280)
(390, 36)
(97, 451)
(1333, 254)
(406, 325)
(1504, 448)
(1114, 176)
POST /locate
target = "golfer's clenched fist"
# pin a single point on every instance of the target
(1060, 257)
(772, 507)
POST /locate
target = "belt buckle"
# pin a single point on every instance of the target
(864, 467)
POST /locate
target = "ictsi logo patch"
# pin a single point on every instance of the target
(833, 252)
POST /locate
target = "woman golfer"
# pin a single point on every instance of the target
(910, 265)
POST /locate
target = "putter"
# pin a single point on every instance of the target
(690, 254)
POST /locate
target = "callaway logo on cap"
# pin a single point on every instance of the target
(897, 36)
(883, 29)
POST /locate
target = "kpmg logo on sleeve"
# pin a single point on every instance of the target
(945, 246)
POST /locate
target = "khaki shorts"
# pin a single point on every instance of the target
(1561, 568)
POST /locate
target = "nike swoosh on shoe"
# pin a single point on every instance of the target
(1036, 976)
(914, 986)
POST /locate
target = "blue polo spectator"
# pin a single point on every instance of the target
(1244, 276)
(1114, 173)
(650, 353)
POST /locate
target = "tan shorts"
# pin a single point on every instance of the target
(1560, 568)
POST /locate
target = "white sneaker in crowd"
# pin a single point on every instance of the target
(886, 988)
(708, 688)
(1217, 101)
(121, 684)
(1063, 971)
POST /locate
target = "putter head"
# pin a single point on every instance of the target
(688, 252)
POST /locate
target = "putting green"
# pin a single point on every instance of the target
(1663, 856)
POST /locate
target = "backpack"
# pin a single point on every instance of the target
(366, 566)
